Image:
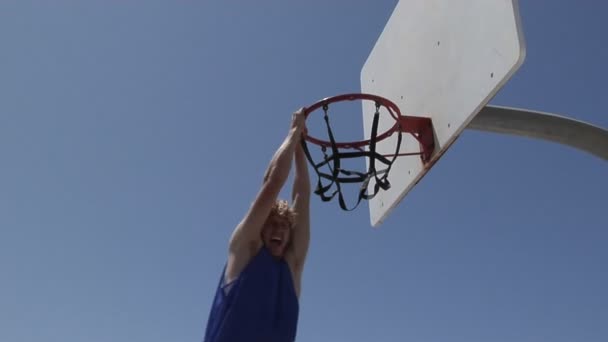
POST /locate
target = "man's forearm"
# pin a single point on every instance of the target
(280, 165)
(301, 184)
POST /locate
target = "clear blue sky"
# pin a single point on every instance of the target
(133, 136)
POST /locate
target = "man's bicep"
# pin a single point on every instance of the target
(301, 234)
(250, 227)
(246, 237)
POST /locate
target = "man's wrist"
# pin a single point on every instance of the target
(295, 132)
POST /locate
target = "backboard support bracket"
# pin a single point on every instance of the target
(422, 129)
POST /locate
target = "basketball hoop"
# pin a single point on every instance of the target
(419, 127)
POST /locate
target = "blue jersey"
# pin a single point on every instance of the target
(260, 305)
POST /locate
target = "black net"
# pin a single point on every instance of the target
(329, 184)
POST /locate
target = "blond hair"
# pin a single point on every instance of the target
(281, 210)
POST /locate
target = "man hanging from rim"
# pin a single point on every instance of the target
(257, 298)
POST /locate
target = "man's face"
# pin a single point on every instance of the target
(276, 234)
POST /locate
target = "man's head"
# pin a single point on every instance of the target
(277, 230)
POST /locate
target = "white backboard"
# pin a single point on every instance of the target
(443, 59)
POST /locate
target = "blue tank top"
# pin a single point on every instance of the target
(260, 305)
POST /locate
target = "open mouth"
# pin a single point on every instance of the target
(276, 241)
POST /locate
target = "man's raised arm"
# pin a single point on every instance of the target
(247, 234)
(301, 204)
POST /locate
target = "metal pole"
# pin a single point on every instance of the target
(546, 126)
